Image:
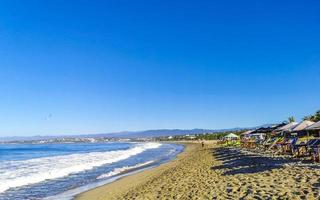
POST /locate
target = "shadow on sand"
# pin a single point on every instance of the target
(236, 162)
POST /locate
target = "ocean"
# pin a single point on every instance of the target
(60, 171)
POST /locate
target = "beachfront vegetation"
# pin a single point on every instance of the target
(291, 119)
(315, 117)
(215, 136)
(219, 135)
(203, 136)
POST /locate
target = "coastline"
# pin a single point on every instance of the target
(65, 170)
(118, 187)
(216, 172)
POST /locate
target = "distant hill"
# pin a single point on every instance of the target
(133, 134)
(167, 132)
(159, 133)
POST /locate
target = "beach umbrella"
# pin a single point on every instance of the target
(314, 127)
(231, 136)
(302, 125)
(287, 127)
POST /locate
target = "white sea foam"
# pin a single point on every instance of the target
(22, 173)
(120, 170)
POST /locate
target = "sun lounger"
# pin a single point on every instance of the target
(287, 145)
(248, 143)
(268, 143)
(274, 143)
(314, 150)
(297, 148)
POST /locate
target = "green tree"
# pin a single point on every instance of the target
(314, 118)
(309, 117)
(291, 119)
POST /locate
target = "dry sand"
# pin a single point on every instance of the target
(214, 172)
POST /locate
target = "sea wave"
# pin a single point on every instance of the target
(121, 170)
(22, 173)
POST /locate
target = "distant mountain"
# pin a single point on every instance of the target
(153, 133)
(169, 132)
(124, 134)
(133, 134)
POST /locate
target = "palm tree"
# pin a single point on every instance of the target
(309, 117)
(291, 119)
(316, 116)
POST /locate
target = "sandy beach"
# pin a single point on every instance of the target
(215, 172)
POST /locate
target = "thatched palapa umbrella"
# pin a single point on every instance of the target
(314, 127)
(301, 127)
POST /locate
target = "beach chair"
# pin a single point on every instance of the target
(286, 146)
(315, 156)
(279, 146)
(233, 143)
(237, 143)
(298, 148)
(314, 150)
(244, 143)
(268, 143)
(247, 143)
(274, 143)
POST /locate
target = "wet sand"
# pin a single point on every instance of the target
(216, 172)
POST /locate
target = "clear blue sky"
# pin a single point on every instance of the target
(71, 67)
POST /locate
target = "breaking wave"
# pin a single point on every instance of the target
(26, 172)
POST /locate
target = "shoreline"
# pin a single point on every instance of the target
(119, 186)
(118, 173)
(216, 172)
